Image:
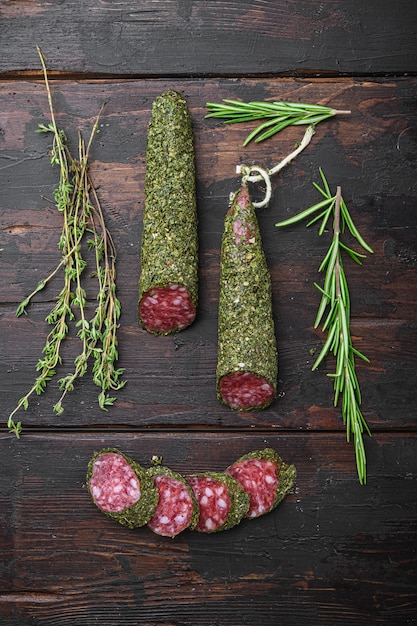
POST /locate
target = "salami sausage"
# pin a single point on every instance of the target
(168, 283)
(265, 477)
(222, 501)
(177, 508)
(121, 488)
(246, 373)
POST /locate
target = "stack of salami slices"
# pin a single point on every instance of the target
(169, 502)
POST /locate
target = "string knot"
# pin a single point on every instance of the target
(255, 173)
(248, 175)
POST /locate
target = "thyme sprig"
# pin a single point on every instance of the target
(83, 224)
(278, 115)
(334, 312)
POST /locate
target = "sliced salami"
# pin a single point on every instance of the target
(265, 477)
(177, 508)
(121, 488)
(166, 309)
(221, 499)
(246, 374)
(170, 502)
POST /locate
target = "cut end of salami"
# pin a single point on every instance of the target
(165, 310)
(265, 477)
(120, 488)
(245, 391)
(113, 483)
(222, 502)
(177, 508)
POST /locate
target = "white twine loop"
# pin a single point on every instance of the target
(265, 174)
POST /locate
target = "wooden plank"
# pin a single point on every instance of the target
(172, 383)
(333, 552)
(171, 380)
(178, 38)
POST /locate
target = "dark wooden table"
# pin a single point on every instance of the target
(334, 552)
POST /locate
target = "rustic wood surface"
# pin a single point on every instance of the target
(189, 37)
(334, 552)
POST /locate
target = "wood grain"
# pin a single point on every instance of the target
(171, 380)
(333, 553)
(186, 37)
(317, 556)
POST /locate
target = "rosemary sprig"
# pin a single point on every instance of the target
(77, 200)
(278, 115)
(334, 313)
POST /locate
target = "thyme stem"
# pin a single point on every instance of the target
(77, 200)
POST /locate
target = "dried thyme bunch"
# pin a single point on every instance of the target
(83, 221)
(335, 303)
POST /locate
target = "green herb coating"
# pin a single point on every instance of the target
(169, 249)
(239, 499)
(246, 334)
(140, 513)
(286, 473)
(162, 470)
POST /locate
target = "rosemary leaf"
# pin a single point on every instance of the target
(306, 213)
(326, 347)
(325, 183)
(360, 355)
(356, 256)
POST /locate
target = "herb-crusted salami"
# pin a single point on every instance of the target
(265, 477)
(247, 355)
(222, 501)
(177, 508)
(121, 488)
(168, 283)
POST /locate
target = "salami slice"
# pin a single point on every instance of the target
(121, 488)
(265, 477)
(222, 501)
(168, 283)
(177, 508)
(247, 366)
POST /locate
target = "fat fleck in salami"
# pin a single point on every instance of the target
(177, 508)
(265, 477)
(247, 355)
(168, 283)
(221, 499)
(121, 488)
